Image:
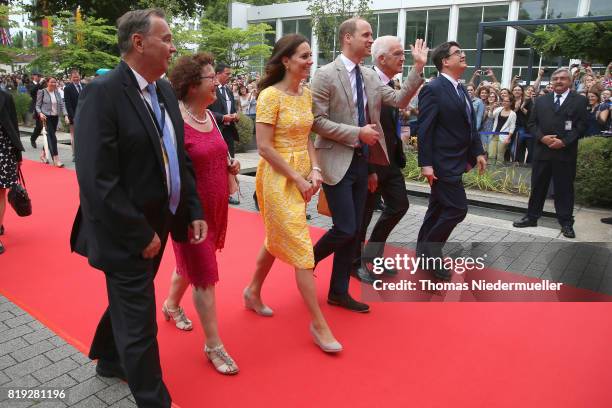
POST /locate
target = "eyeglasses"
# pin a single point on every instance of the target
(458, 53)
(211, 77)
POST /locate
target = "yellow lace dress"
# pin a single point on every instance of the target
(280, 202)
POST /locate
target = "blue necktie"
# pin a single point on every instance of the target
(464, 98)
(170, 151)
(558, 102)
(360, 108)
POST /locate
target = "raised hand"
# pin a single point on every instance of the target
(419, 53)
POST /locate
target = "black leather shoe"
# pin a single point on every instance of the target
(525, 222)
(360, 272)
(607, 220)
(1, 248)
(234, 201)
(33, 143)
(568, 231)
(347, 302)
(389, 272)
(443, 273)
(109, 369)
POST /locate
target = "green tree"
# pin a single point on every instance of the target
(588, 41)
(216, 10)
(111, 10)
(233, 46)
(85, 45)
(326, 16)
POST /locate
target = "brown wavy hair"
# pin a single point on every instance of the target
(187, 72)
(275, 70)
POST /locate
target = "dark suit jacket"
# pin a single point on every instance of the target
(389, 117)
(545, 121)
(71, 98)
(447, 139)
(34, 88)
(8, 121)
(121, 173)
(219, 108)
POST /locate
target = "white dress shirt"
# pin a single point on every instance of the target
(563, 97)
(142, 85)
(456, 86)
(226, 98)
(350, 68)
(383, 77)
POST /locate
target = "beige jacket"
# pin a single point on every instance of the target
(334, 115)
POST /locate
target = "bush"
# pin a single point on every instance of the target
(594, 172)
(22, 105)
(245, 132)
(508, 180)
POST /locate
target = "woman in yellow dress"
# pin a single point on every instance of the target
(287, 178)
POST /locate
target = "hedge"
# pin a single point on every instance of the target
(245, 132)
(593, 184)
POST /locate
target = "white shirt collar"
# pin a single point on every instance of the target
(383, 77)
(451, 79)
(142, 83)
(564, 94)
(348, 64)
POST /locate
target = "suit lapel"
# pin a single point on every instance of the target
(371, 84)
(452, 93)
(567, 102)
(346, 84)
(131, 89)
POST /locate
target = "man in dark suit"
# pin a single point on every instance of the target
(136, 185)
(35, 86)
(388, 181)
(224, 111)
(71, 98)
(449, 146)
(557, 121)
(10, 127)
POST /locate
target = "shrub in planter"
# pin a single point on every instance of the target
(245, 132)
(22, 105)
(594, 172)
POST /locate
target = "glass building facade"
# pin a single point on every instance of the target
(504, 51)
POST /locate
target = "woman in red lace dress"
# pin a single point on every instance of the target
(193, 81)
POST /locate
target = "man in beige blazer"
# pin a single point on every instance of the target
(347, 100)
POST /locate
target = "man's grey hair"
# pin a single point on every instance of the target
(382, 45)
(560, 70)
(132, 22)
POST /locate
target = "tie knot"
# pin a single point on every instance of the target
(151, 88)
(391, 83)
(559, 96)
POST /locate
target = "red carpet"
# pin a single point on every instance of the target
(430, 354)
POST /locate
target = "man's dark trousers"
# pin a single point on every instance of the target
(392, 187)
(124, 336)
(563, 175)
(38, 125)
(346, 202)
(447, 208)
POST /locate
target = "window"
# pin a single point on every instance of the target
(600, 8)
(258, 64)
(431, 25)
(494, 39)
(298, 26)
(536, 10)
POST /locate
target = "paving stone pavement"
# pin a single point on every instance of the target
(32, 356)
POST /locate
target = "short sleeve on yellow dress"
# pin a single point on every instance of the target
(281, 204)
